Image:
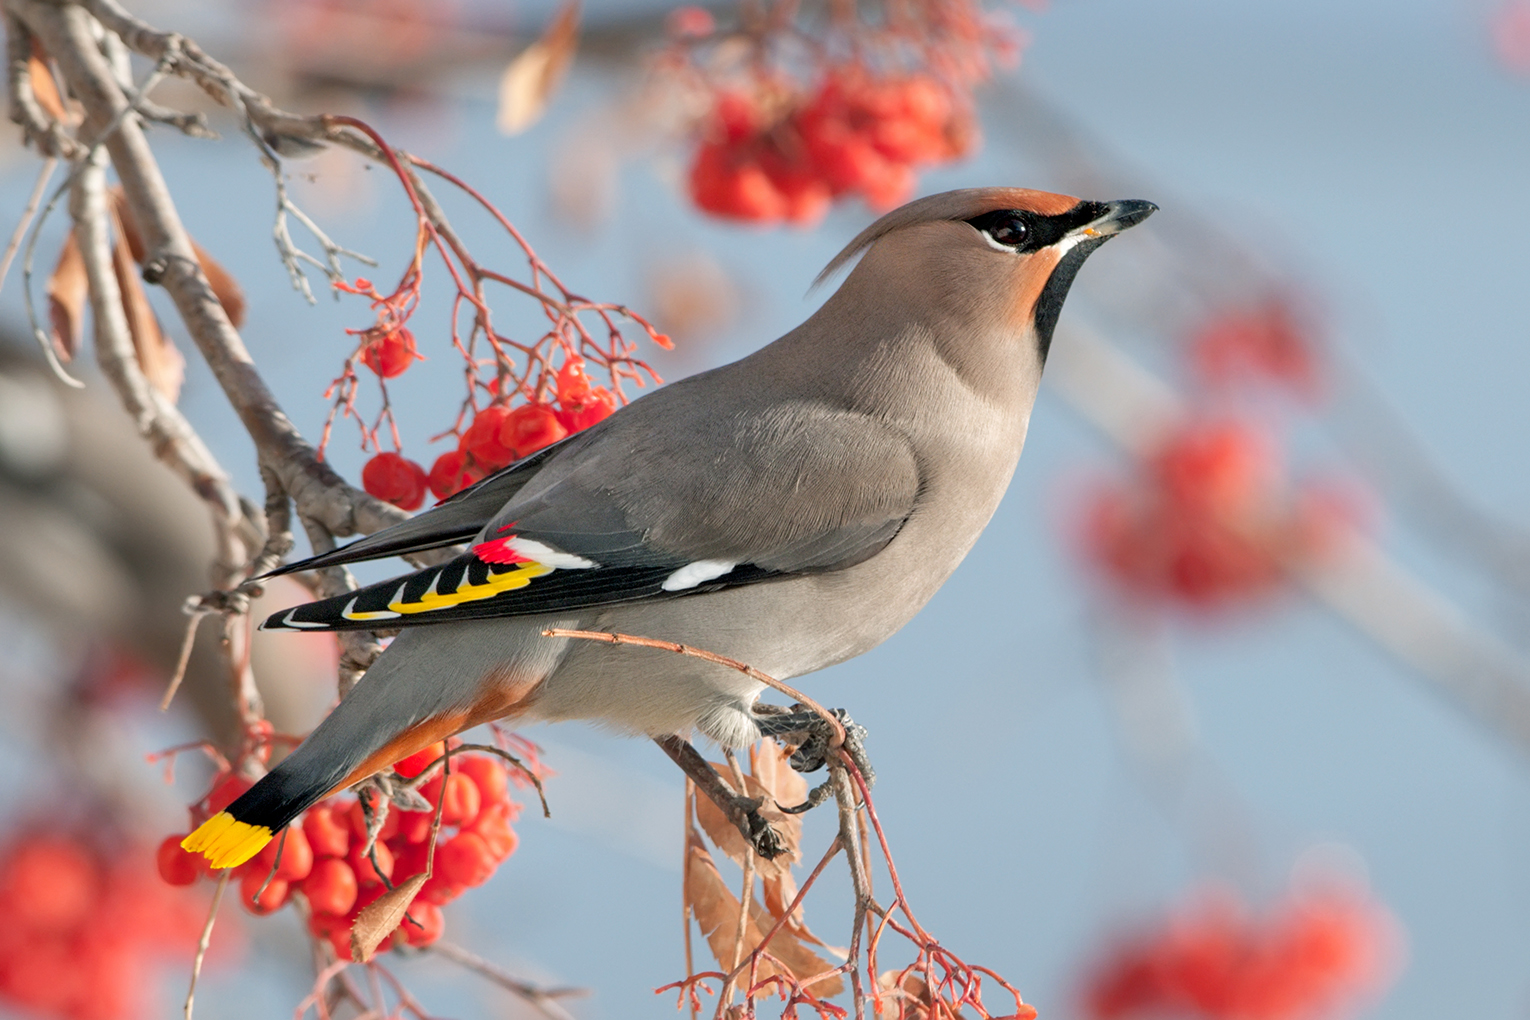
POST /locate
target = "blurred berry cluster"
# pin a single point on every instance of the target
(328, 858)
(83, 926)
(858, 134)
(1208, 515)
(1317, 953)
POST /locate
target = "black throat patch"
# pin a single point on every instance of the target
(1049, 304)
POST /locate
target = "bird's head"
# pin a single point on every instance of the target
(994, 263)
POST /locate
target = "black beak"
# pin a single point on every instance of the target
(1119, 216)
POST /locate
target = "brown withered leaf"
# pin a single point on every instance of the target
(716, 909)
(44, 88)
(768, 763)
(799, 959)
(379, 918)
(223, 284)
(731, 842)
(780, 891)
(916, 1001)
(534, 75)
(227, 290)
(161, 362)
(67, 290)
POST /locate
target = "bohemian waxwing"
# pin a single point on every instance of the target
(790, 510)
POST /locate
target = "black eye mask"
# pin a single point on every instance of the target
(1028, 232)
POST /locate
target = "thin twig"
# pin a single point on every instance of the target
(746, 895)
(26, 216)
(721, 660)
(182, 660)
(685, 883)
(204, 942)
(542, 999)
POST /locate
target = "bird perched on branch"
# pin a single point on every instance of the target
(790, 510)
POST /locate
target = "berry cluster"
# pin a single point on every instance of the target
(1264, 342)
(324, 856)
(1319, 950)
(767, 159)
(82, 926)
(497, 436)
(1207, 522)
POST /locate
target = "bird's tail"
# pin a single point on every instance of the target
(356, 740)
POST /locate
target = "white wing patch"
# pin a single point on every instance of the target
(546, 555)
(692, 574)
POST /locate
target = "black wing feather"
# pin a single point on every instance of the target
(454, 520)
(377, 606)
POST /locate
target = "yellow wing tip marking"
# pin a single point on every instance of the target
(226, 841)
(510, 580)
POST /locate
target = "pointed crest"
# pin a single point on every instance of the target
(949, 205)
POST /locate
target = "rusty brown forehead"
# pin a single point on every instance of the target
(1045, 203)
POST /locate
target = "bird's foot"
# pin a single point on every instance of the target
(813, 737)
(743, 812)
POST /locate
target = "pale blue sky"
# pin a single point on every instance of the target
(1372, 147)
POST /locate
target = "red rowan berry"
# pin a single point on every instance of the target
(414, 826)
(465, 860)
(366, 872)
(177, 866)
(487, 774)
(296, 855)
(415, 764)
(395, 479)
(529, 428)
(452, 472)
(493, 827)
(598, 406)
(328, 835)
(331, 886)
(573, 384)
(482, 441)
(409, 860)
(357, 820)
(389, 352)
(257, 902)
(423, 924)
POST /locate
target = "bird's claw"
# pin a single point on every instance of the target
(813, 736)
(765, 840)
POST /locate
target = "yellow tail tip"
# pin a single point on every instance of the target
(226, 841)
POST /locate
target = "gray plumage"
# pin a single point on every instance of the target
(791, 510)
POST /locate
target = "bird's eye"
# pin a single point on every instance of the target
(1010, 230)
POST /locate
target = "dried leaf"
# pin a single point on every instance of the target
(223, 284)
(67, 289)
(161, 362)
(45, 89)
(533, 77)
(716, 909)
(768, 762)
(914, 1002)
(731, 842)
(379, 918)
(799, 959)
(224, 287)
(125, 222)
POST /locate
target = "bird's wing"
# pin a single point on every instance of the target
(455, 519)
(729, 502)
